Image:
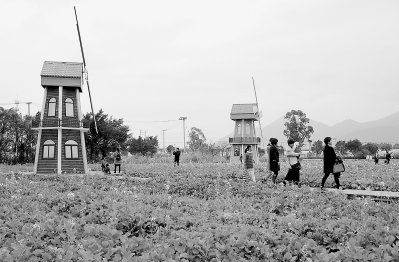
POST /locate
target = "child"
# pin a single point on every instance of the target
(107, 170)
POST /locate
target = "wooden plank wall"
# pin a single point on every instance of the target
(69, 92)
(45, 166)
(67, 165)
(52, 91)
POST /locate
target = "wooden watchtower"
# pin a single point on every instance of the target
(60, 143)
(244, 117)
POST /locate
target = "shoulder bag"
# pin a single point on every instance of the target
(338, 168)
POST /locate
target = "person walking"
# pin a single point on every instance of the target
(388, 157)
(249, 163)
(329, 158)
(293, 161)
(117, 160)
(177, 157)
(274, 159)
(376, 156)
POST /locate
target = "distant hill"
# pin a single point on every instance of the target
(383, 130)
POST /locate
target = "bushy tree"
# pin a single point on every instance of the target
(17, 139)
(144, 146)
(385, 146)
(197, 140)
(296, 126)
(169, 149)
(213, 149)
(354, 146)
(224, 147)
(340, 148)
(317, 147)
(372, 148)
(111, 134)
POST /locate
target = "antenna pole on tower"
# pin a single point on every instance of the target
(257, 107)
(85, 70)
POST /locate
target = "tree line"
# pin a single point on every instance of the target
(296, 127)
(354, 148)
(18, 140)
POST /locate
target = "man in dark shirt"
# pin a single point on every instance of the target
(177, 156)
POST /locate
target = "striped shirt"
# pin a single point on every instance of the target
(249, 162)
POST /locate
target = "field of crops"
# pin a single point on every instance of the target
(196, 212)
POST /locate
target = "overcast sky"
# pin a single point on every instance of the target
(161, 60)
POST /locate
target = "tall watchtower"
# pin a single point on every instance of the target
(244, 116)
(60, 143)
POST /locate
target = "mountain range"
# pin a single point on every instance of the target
(383, 130)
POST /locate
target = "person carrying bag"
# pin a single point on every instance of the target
(293, 160)
(332, 163)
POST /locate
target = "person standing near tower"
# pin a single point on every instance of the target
(249, 163)
(117, 160)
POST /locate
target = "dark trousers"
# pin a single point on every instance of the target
(176, 162)
(336, 179)
(117, 165)
(293, 175)
(103, 167)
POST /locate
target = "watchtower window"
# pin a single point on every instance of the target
(247, 129)
(239, 129)
(68, 107)
(71, 149)
(48, 149)
(51, 106)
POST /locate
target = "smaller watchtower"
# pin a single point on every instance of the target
(244, 117)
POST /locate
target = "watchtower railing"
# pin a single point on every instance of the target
(56, 122)
(244, 140)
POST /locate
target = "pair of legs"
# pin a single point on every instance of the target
(119, 166)
(102, 167)
(336, 179)
(272, 174)
(251, 174)
(176, 162)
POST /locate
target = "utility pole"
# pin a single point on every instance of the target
(163, 131)
(184, 130)
(29, 107)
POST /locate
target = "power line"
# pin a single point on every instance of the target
(149, 121)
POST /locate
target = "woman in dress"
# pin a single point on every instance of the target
(249, 163)
(293, 161)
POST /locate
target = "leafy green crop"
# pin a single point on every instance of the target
(200, 212)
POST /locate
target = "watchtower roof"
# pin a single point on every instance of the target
(69, 74)
(62, 69)
(244, 111)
